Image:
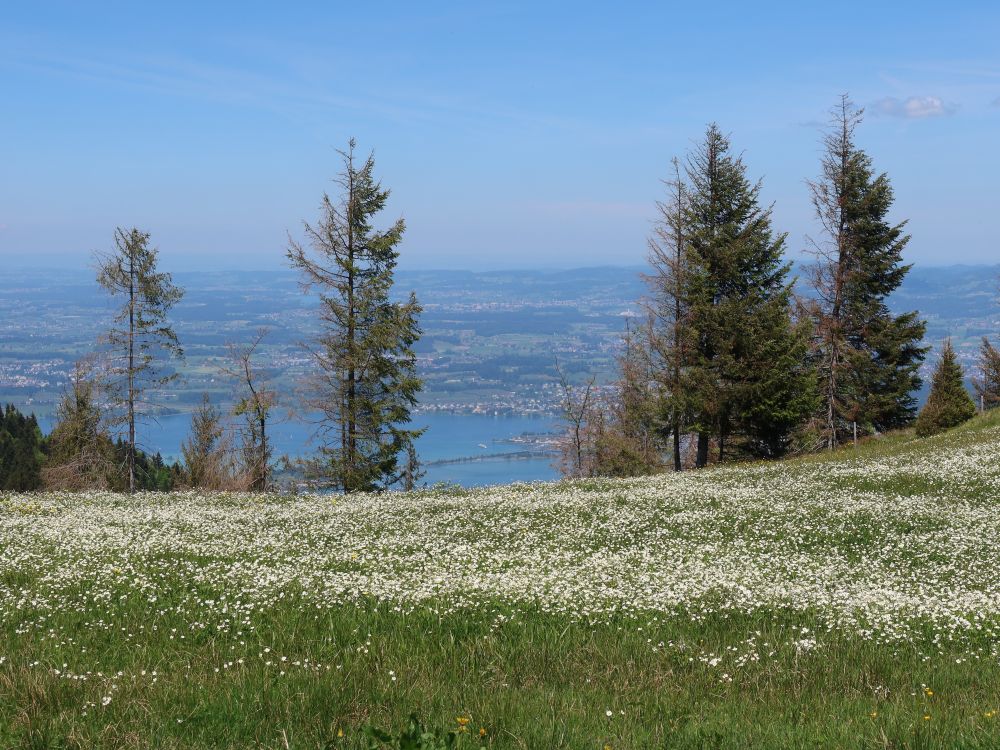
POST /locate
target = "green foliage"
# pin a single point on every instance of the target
(415, 737)
(988, 382)
(781, 394)
(867, 359)
(367, 384)
(948, 404)
(151, 473)
(140, 333)
(82, 454)
(205, 459)
(22, 450)
(617, 453)
(747, 370)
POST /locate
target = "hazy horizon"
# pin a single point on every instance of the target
(167, 264)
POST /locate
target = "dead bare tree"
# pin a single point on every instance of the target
(255, 404)
(666, 307)
(577, 405)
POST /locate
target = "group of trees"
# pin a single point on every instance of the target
(79, 453)
(22, 451)
(94, 443)
(361, 396)
(949, 403)
(730, 361)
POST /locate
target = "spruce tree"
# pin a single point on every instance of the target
(22, 450)
(367, 383)
(948, 404)
(140, 333)
(81, 452)
(205, 451)
(867, 359)
(747, 371)
(988, 382)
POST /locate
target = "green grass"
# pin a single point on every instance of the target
(241, 662)
(538, 682)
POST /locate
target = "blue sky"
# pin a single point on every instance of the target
(511, 135)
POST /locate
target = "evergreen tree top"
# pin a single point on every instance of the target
(949, 403)
(729, 232)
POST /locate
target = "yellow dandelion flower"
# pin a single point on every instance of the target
(927, 717)
(873, 714)
(482, 731)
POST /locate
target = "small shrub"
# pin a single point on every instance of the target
(417, 737)
(949, 403)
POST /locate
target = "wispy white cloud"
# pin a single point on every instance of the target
(914, 107)
(295, 86)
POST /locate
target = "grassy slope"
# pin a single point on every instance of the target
(200, 638)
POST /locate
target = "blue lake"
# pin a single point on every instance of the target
(449, 437)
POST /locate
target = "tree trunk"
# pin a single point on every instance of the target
(131, 374)
(350, 460)
(262, 469)
(701, 458)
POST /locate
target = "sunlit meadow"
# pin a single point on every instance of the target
(844, 601)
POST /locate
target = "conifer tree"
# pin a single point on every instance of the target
(81, 452)
(205, 451)
(140, 332)
(867, 358)
(22, 450)
(747, 372)
(367, 383)
(948, 404)
(668, 336)
(988, 382)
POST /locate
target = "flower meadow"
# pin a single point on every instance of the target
(851, 600)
